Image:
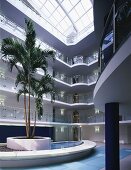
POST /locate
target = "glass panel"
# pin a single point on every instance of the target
(67, 21)
(39, 4)
(90, 14)
(79, 25)
(59, 28)
(86, 4)
(42, 1)
(85, 20)
(60, 1)
(45, 12)
(54, 3)
(80, 9)
(53, 21)
(49, 6)
(74, 16)
(61, 12)
(64, 24)
(54, 15)
(57, 16)
(74, 2)
(67, 5)
(68, 31)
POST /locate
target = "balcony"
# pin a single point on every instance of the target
(78, 60)
(19, 32)
(77, 79)
(116, 32)
(15, 115)
(114, 83)
(100, 119)
(75, 99)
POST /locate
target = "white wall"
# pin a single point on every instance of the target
(125, 133)
(88, 132)
(47, 112)
(62, 117)
(63, 133)
(129, 133)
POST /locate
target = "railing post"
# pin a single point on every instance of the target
(114, 28)
(100, 60)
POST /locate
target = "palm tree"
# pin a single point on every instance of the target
(30, 58)
(43, 86)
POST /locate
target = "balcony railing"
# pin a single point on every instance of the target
(62, 77)
(76, 98)
(16, 113)
(78, 59)
(77, 78)
(98, 118)
(116, 31)
(20, 33)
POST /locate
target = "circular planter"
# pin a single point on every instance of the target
(22, 143)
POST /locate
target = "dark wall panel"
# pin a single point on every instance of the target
(8, 131)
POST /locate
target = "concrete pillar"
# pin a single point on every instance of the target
(112, 136)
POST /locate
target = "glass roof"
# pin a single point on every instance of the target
(68, 20)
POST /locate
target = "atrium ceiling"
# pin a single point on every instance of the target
(12, 11)
(68, 20)
(13, 14)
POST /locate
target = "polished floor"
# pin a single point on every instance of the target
(96, 161)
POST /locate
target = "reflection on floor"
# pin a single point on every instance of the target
(95, 161)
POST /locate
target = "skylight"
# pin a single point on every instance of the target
(70, 19)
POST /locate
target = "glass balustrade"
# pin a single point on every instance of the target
(63, 78)
(78, 59)
(92, 79)
(62, 119)
(62, 58)
(92, 58)
(8, 83)
(96, 118)
(21, 34)
(75, 98)
(77, 78)
(15, 113)
(6, 80)
(116, 31)
(7, 112)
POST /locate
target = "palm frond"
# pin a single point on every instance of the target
(13, 52)
(21, 78)
(30, 35)
(20, 92)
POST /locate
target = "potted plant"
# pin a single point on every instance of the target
(30, 59)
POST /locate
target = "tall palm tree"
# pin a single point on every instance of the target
(30, 58)
(43, 86)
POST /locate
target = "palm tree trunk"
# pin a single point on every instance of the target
(29, 111)
(33, 132)
(25, 115)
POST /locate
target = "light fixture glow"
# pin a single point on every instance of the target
(97, 129)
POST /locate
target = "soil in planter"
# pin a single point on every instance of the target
(4, 148)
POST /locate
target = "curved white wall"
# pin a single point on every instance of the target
(114, 83)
